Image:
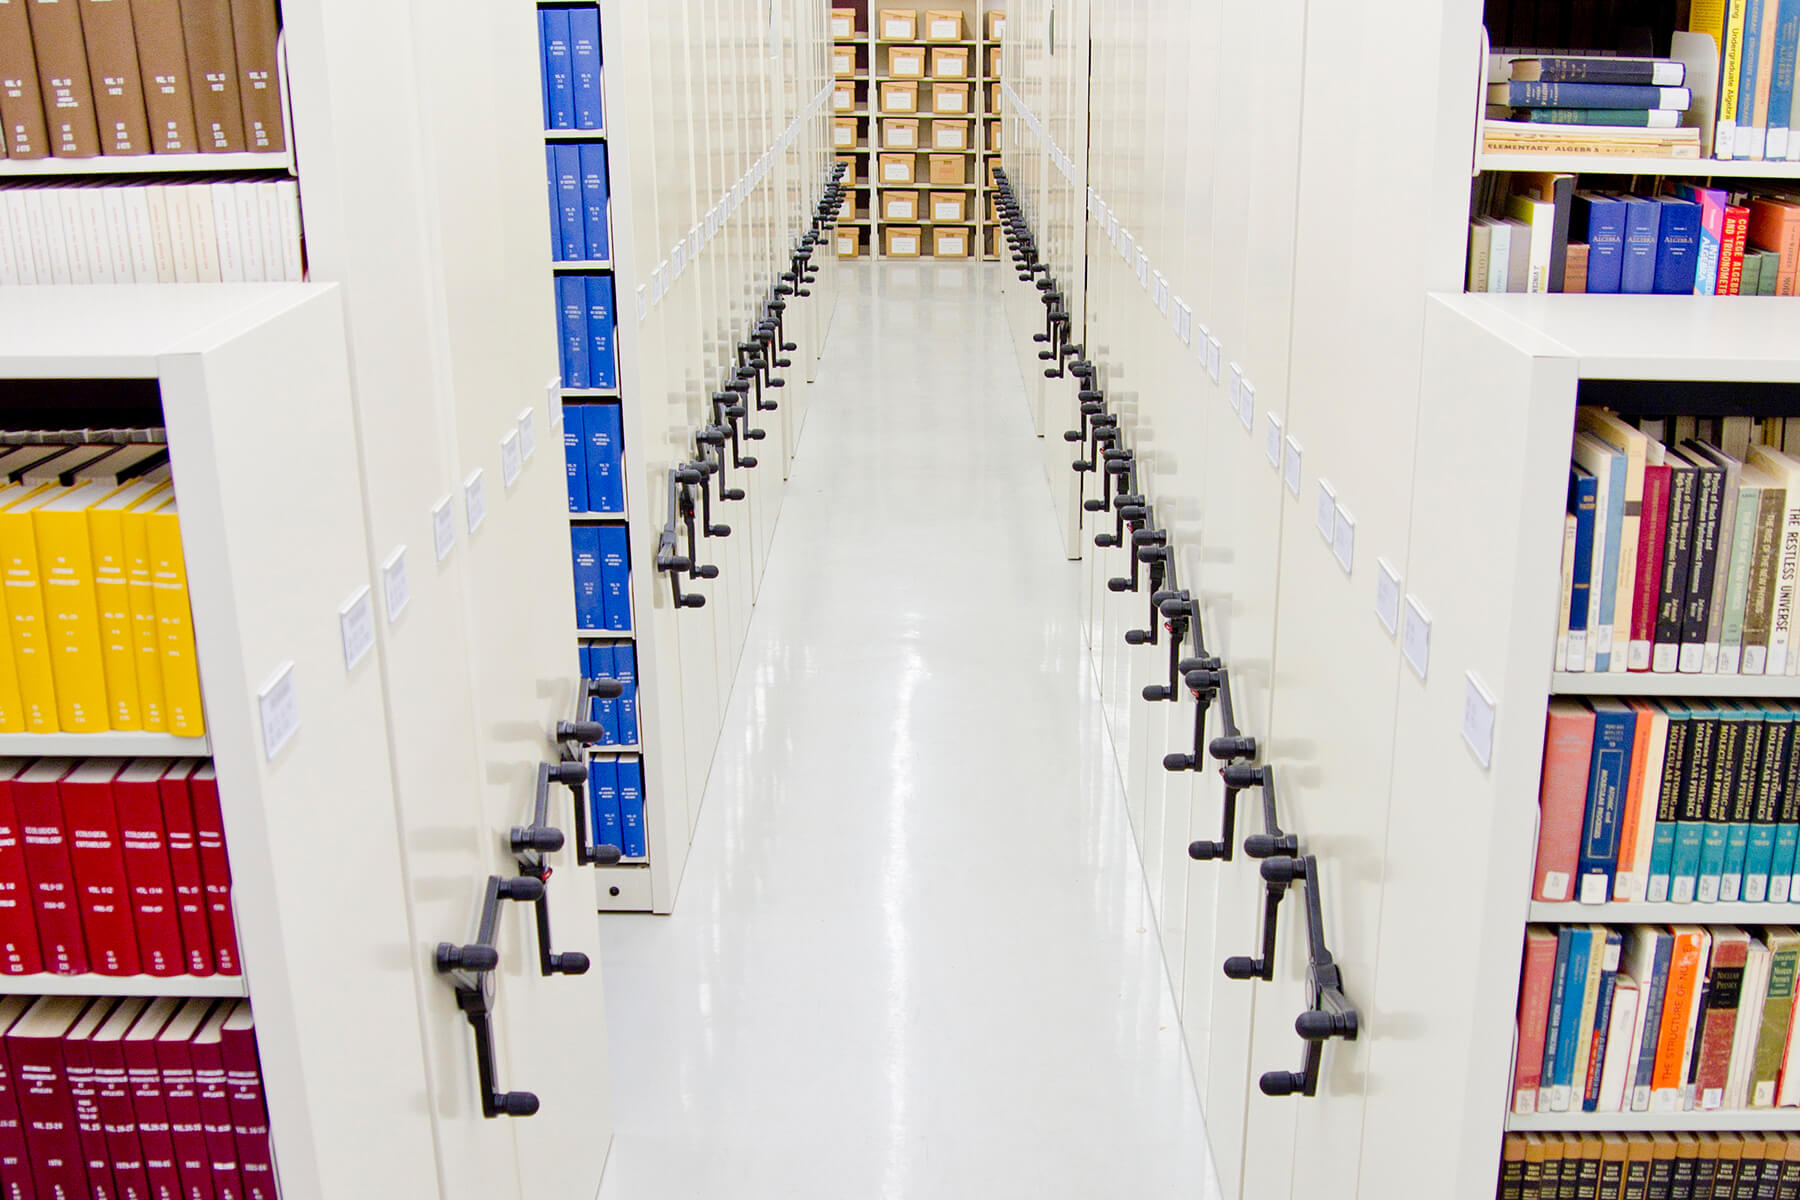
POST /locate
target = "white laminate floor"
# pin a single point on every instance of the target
(912, 956)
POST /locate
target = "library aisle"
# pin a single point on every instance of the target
(913, 956)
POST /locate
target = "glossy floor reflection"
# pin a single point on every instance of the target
(912, 956)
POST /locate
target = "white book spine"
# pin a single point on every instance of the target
(1499, 255)
(1568, 591)
(118, 234)
(94, 240)
(1618, 1061)
(18, 231)
(268, 230)
(140, 238)
(249, 226)
(67, 230)
(51, 256)
(225, 228)
(9, 256)
(181, 234)
(162, 251)
(293, 267)
(206, 237)
(1782, 621)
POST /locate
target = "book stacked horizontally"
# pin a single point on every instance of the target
(1589, 105)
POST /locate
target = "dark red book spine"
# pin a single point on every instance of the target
(184, 870)
(90, 1130)
(105, 898)
(147, 872)
(249, 1116)
(19, 954)
(181, 1097)
(48, 1115)
(1655, 521)
(15, 1166)
(215, 1120)
(152, 1116)
(123, 1148)
(215, 869)
(52, 879)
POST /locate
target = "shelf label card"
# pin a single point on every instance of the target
(527, 433)
(279, 704)
(394, 585)
(1415, 641)
(643, 302)
(511, 460)
(1387, 596)
(553, 392)
(1235, 386)
(1247, 405)
(1326, 518)
(1290, 469)
(443, 528)
(1215, 350)
(474, 503)
(356, 626)
(1272, 439)
(1343, 538)
(1478, 732)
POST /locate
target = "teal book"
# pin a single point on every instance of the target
(1642, 118)
(1690, 825)
(1765, 814)
(1668, 811)
(1743, 803)
(1728, 737)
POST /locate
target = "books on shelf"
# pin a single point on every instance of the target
(1656, 1018)
(585, 305)
(1754, 109)
(1588, 141)
(617, 716)
(578, 202)
(593, 442)
(144, 77)
(602, 557)
(107, 233)
(569, 43)
(1722, 1166)
(616, 794)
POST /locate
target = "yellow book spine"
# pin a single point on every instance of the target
(25, 620)
(71, 619)
(12, 705)
(175, 624)
(1708, 17)
(112, 595)
(146, 642)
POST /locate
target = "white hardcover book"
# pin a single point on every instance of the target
(1568, 591)
(268, 230)
(1636, 446)
(180, 210)
(1639, 962)
(162, 250)
(1617, 1066)
(140, 240)
(1518, 257)
(293, 268)
(68, 230)
(1787, 469)
(18, 231)
(249, 225)
(1499, 253)
(225, 228)
(48, 252)
(9, 257)
(206, 234)
(95, 242)
(1751, 995)
(1480, 237)
(118, 233)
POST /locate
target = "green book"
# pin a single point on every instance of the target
(1643, 118)
(1778, 1013)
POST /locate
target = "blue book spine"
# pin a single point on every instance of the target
(556, 68)
(575, 454)
(1559, 987)
(1637, 273)
(1650, 995)
(615, 577)
(569, 219)
(606, 710)
(1781, 87)
(603, 366)
(625, 671)
(631, 808)
(544, 63)
(555, 207)
(1608, 776)
(571, 296)
(590, 605)
(1520, 94)
(594, 201)
(1601, 220)
(1677, 247)
(1747, 130)
(605, 466)
(1584, 497)
(1568, 1033)
(603, 795)
(1609, 981)
(584, 66)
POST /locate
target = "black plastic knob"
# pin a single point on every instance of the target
(545, 839)
(605, 689)
(607, 856)
(570, 962)
(1241, 746)
(1118, 585)
(1315, 1025)
(708, 571)
(1205, 851)
(516, 1104)
(1155, 692)
(1179, 762)
(568, 773)
(522, 887)
(585, 732)
(1281, 1083)
(476, 957)
(1242, 966)
(1239, 775)
(1283, 870)
(1136, 637)
(1262, 845)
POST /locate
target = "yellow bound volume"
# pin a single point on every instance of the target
(112, 593)
(146, 640)
(71, 615)
(174, 622)
(25, 607)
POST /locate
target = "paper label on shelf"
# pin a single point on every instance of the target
(1231, 389)
(394, 585)
(527, 434)
(1143, 269)
(1343, 538)
(1387, 596)
(1556, 885)
(553, 390)
(1415, 639)
(512, 460)
(1215, 351)
(356, 627)
(1326, 517)
(1290, 469)
(474, 503)
(643, 302)
(1478, 732)
(1247, 404)
(443, 528)
(1184, 322)
(279, 704)
(1272, 439)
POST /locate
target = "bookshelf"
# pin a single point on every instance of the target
(199, 986)
(147, 165)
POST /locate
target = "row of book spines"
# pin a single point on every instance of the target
(152, 76)
(593, 445)
(569, 40)
(1638, 1166)
(132, 1098)
(616, 791)
(1719, 226)
(602, 556)
(585, 305)
(160, 233)
(1669, 801)
(578, 202)
(114, 869)
(618, 716)
(96, 605)
(1759, 41)
(1656, 1019)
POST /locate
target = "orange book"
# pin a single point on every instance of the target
(1634, 792)
(1775, 225)
(1681, 998)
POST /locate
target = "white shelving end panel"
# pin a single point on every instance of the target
(185, 986)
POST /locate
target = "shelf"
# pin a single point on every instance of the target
(123, 985)
(926, 187)
(598, 748)
(969, 225)
(590, 393)
(1648, 1122)
(597, 264)
(1595, 164)
(1639, 683)
(577, 518)
(574, 135)
(925, 42)
(1545, 912)
(115, 744)
(145, 164)
(604, 635)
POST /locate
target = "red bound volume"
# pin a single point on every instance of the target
(15, 1165)
(147, 1106)
(137, 795)
(84, 1092)
(99, 862)
(181, 1096)
(1562, 798)
(215, 867)
(18, 929)
(35, 1053)
(249, 1115)
(1534, 1016)
(215, 1106)
(39, 807)
(113, 1092)
(184, 869)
